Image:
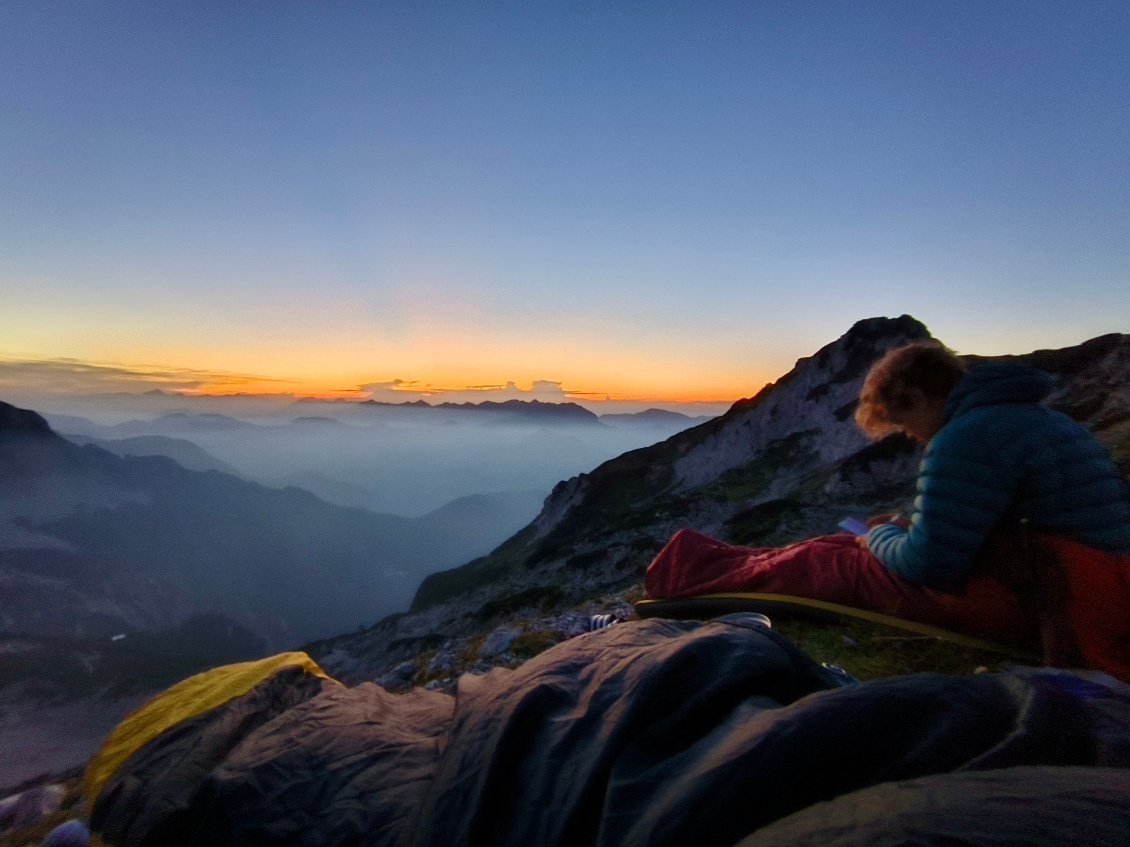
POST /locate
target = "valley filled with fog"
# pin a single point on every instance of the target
(396, 459)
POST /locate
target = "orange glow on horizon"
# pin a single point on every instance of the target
(620, 388)
(344, 365)
(316, 392)
(331, 350)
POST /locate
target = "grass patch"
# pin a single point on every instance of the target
(541, 597)
(1117, 440)
(871, 651)
(470, 652)
(528, 644)
(634, 594)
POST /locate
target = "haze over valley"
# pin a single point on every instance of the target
(398, 459)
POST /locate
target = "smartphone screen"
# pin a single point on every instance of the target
(854, 525)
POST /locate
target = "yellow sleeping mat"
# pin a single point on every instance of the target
(784, 605)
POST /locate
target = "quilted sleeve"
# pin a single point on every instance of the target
(966, 482)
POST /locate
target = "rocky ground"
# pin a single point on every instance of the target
(865, 650)
(34, 810)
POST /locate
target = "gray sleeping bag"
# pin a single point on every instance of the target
(647, 733)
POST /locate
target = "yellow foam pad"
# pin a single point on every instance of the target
(645, 609)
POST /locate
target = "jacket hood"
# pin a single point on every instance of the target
(994, 383)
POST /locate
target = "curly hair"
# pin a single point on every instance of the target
(924, 366)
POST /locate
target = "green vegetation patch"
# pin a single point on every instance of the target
(540, 597)
(528, 644)
(1117, 440)
(486, 570)
(470, 652)
(871, 651)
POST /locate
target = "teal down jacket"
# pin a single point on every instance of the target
(1001, 457)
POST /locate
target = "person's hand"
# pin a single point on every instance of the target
(861, 540)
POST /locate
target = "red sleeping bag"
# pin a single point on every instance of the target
(835, 569)
(1097, 613)
(1094, 616)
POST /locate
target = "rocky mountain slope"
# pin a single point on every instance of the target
(786, 464)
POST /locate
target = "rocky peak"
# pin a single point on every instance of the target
(817, 396)
(814, 400)
(15, 421)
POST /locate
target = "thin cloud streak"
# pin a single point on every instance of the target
(74, 376)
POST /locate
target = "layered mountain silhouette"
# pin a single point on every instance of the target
(95, 545)
(182, 451)
(785, 464)
(173, 424)
(405, 459)
(653, 418)
(507, 411)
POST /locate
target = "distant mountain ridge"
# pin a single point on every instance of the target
(525, 409)
(405, 460)
(653, 417)
(533, 412)
(185, 453)
(785, 464)
(171, 424)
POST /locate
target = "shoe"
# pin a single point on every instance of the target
(841, 676)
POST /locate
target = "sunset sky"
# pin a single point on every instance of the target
(661, 200)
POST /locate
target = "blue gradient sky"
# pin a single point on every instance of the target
(666, 200)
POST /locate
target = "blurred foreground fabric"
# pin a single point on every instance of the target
(652, 732)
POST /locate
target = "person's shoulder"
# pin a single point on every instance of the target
(1015, 432)
(988, 428)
